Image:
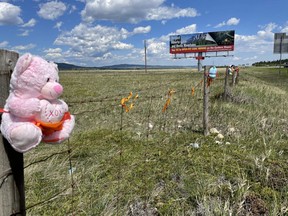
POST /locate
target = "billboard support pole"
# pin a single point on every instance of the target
(199, 61)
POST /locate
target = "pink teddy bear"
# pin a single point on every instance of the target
(33, 112)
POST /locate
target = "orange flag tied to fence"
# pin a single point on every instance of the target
(126, 99)
(168, 101)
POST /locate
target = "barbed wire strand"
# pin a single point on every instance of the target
(46, 158)
(101, 100)
(116, 97)
(47, 200)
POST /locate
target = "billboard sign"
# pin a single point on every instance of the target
(202, 42)
(280, 43)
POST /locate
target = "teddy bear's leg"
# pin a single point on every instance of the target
(24, 136)
(62, 135)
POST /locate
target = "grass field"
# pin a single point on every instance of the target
(149, 162)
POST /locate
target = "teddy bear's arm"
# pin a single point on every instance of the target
(25, 108)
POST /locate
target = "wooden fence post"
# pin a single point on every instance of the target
(234, 77)
(226, 83)
(206, 102)
(12, 191)
(237, 76)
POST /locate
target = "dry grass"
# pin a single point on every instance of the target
(146, 162)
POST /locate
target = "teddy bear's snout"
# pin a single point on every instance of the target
(58, 89)
(51, 90)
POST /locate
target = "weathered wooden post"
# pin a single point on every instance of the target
(226, 83)
(237, 76)
(233, 78)
(12, 192)
(206, 102)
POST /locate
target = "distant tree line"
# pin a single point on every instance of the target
(270, 63)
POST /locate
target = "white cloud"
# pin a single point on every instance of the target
(284, 29)
(52, 10)
(53, 53)
(4, 44)
(187, 30)
(163, 22)
(107, 55)
(255, 45)
(231, 21)
(10, 14)
(267, 31)
(25, 33)
(72, 9)
(118, 10)
(30, 23)
(94, 41)
(24, 47)
(53, 50)
(156, 47)
(245, 38)
(169, 13)
(132, 11)
(220, 24)
(142, 30)
(58, 25)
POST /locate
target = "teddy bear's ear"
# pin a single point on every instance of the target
(23, 63)
(54, 65)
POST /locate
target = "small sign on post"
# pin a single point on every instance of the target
(12, 192)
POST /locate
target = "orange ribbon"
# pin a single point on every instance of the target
(125, 100)
(168, 101)
(49, 128)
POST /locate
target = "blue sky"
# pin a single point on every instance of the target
(108, 32)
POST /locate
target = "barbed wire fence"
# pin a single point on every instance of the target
(169, 111)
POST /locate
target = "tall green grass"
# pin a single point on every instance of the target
(146, 162)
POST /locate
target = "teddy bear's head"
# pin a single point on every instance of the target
(35, 77)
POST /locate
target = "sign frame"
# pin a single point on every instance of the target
(280, 43)
(202, 42)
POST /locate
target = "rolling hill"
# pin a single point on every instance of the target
(65, 66)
